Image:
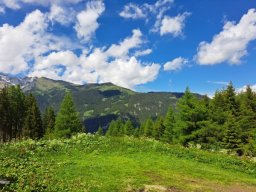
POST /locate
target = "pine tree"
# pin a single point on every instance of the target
(247, 119)
(111, 129)
(49, 122)
(67, 120)
(190, 116)
(169, 124)
(32, 127)
(5, 113)
(230, 99)
(232, 140)
(128, 128)
(119, 128)
(18, 110)
(148, 129)
(159, 128)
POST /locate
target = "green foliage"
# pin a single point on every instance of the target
(148, 128)
(67, 120)
(32, 127)
(189, 117)
(169, 123)
(232, 140)
(159, 128)
(100, 131)
(49, 122)
(128, 128)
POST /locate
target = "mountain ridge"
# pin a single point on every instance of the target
(97, 104)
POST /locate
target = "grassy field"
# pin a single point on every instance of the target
(92, 163)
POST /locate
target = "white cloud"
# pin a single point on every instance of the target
(173, 25)
(143, 52)
(132, 11)
(61, 14)
(162, 24)
(60, 10)
(21, 44)
(218, 82)
(123, 48)
(175, 64)
(18, 4)
(113, 64)
(243, 89)
(230, 45)
(2, 10)
(87, 23)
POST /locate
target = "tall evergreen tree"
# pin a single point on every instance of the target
(189, 118)
(128, 127)
(169, 123)
(159, 128)
(112, 130)
(230, 99)
(49, 121)
(232, 140)
(67, 120)
(247, 119)
(18, 110)
(32, 127)
(5, 114)
(148, 129)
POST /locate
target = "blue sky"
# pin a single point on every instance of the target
(160, 45)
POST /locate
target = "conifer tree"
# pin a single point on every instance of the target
(159, 128)
(230, 99)
(189, 118)
(32, 127)
(67, 119)
(111, 129)
(169, 124)
(128, 127)
(5, 124)
(49, 122)
(17, 109)
(247, 119)
(148, 129)
(232, 140)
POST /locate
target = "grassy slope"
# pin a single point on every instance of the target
(89, 163)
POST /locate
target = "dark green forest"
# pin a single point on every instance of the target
(225, 122)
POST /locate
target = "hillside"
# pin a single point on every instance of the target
(92, 163)
(98, 104)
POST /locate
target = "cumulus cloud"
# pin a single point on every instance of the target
(243, 89)
(60, 10)
(143, 52)
(18, 4)
(173, 25)
(132, 11)
(162, 24)
(175, 64)
(21, 44)
(87, 23)
(230, 45)
(61, 14)
(114, 64)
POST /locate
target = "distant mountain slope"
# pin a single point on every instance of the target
(98, 104)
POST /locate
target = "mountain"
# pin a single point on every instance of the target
(98, 104)
(26, 83)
